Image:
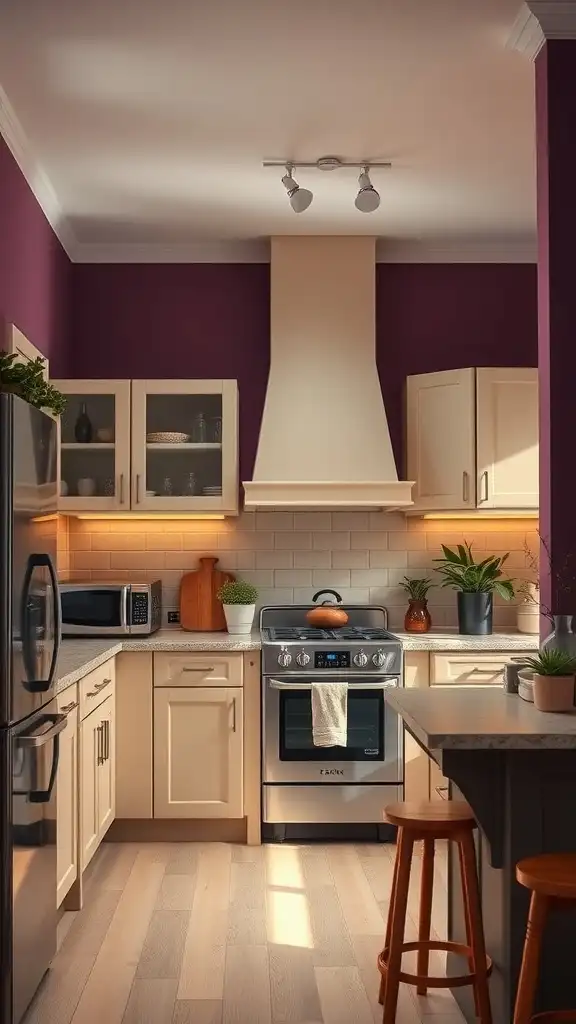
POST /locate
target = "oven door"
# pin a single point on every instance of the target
(95, 610)
(374, 750)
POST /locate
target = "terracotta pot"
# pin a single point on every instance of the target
(553, 693)
(327, 616)
(417, 618)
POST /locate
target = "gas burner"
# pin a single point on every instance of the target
(303, 633)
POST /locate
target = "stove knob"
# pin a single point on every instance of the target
(284, 658)
(303, 658)
(360, 659)
(379, 659)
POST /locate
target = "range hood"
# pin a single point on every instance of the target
(324, 440)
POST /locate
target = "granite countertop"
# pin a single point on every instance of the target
(78, 657)
(480, 717)
(450, 640)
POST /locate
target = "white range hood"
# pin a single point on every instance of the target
(324, 440)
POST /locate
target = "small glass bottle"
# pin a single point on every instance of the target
(190, 484)
(83, 426)
(167, 488)
(199, 429)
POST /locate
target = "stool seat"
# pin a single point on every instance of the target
(551, 874)
(431, 815)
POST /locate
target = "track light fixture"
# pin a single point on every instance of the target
(368, 199)
(300, 198)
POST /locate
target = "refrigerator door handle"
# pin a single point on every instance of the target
(38, 561)
(39, 739)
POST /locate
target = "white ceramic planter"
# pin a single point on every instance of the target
(528, 617)
(239, 617)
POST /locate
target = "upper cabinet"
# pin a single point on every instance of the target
(150, 446)
(472, 439)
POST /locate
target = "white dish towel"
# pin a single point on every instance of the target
(330, 714)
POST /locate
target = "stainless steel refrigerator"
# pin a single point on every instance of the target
(29, 722)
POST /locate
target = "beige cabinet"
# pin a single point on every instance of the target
(97, 777)
(507, 438)
(67, 796)
(185, 446)
(134, 724)
(95, 470)
(472, 439)
(198, 752)
(198, 669)
(468, 668)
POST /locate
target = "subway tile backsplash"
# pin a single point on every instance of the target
(289, 556)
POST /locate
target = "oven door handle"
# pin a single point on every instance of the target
(382, 684)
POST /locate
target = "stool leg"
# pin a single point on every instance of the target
(390, 913)
(425, 919)
(397, 927)
(472, 899)
(530, 959)
(468, 924)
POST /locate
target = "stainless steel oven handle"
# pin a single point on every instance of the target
(382, 684)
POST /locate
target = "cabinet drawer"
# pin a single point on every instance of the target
(67, 700)
(469, 669)
(197, 669)
(96, 687)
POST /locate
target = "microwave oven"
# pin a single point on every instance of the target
(111, 609)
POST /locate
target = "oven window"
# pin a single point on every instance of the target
(92, 608)
(366, 710)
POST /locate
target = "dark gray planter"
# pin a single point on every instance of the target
(474, 613)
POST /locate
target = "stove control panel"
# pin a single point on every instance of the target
(331, 659)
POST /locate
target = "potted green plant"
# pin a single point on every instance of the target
(239, 602)
(27, 381)
(476, 584)
(417, 618)
(553, 680)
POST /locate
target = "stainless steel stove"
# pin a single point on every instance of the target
(342, 791)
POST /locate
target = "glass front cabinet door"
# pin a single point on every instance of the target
(185, 446)
(95, 446)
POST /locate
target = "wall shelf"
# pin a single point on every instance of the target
(98, 446)
(188, 446)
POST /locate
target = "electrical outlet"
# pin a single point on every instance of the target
(173, 618)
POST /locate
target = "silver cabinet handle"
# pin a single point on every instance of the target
(198, 668)
(484, 486)
(442, 792)
(233, 714)
(69, 707)
(98, 687)
(121, 488)
(106, 726)
(100, 744)
(138, 493)
(465, 486)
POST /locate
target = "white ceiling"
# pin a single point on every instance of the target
(151, 119)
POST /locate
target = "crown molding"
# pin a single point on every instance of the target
(464, 251)
(35, 176)
(216, 251)
(526, 35)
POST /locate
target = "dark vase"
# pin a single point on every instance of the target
(83, 426)
(562, 637)
(417, 618)
(474, 613)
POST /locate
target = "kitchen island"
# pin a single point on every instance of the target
(516, 767)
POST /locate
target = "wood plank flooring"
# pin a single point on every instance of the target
(212, 933)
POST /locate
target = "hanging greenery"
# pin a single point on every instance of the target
(28, 382)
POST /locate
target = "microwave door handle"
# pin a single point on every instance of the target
(124, 609)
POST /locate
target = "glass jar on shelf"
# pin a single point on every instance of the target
(199, 429)
(216, 430)
(167, 488)
(190, 484)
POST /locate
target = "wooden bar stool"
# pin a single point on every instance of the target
(551, 878)
(430, 821)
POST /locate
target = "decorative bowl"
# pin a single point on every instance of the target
(167, 437)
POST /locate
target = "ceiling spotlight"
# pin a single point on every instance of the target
(368, 199)
(300, 198)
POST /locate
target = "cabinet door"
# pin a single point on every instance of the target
(95, 446)
(185, 446)
(507, 438)
(416, 760)
(106, 776)
(198, 752)
(470, 669)
(440, 439)
(67, 805)
(91, 738)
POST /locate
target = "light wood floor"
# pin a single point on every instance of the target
(222, 934)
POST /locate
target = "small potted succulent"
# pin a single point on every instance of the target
(417, 618)
(239, 602)
(476, 583)
(553, 680)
